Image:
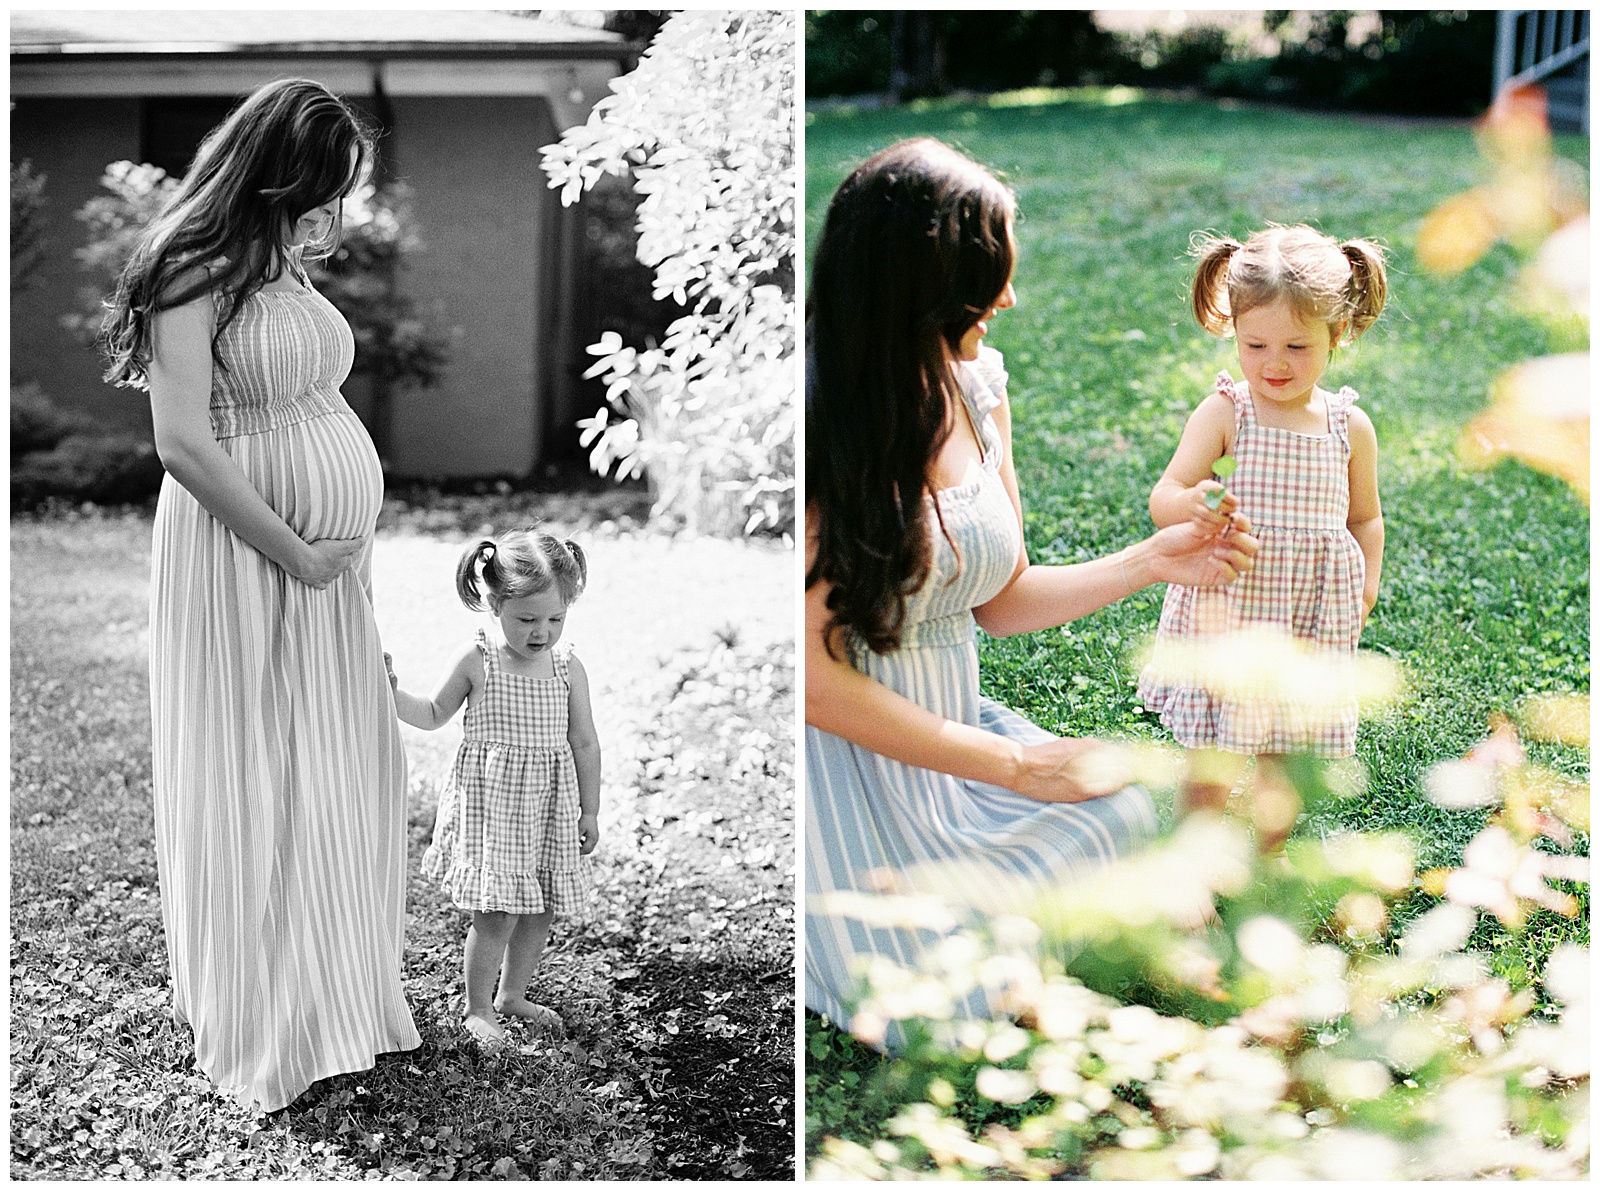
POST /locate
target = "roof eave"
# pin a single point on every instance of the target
(587, 51)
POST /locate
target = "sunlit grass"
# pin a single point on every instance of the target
(1485, 597)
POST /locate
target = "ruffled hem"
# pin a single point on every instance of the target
(473, 887)
(1198, 719)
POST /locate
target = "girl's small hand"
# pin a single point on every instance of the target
(388, 666)
(1203, 514)
(327, 559)
(588, 833)
(1072, 769)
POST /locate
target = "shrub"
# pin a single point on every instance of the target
(1229, 1016)
(67, 455)
(393, 345)
(27, 224)
(38, 424)
(705, 126)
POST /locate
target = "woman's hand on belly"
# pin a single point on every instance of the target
(327, 559)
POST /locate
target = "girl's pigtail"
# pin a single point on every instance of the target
(1209, 293)
(467, 572)
(1369, 283)
(581, 562)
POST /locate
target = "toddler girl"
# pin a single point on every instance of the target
(1306, 479)
(520, 809)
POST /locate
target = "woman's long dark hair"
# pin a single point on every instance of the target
(282, 152)
(915, 249)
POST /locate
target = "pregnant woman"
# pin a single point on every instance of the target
(914, 781)
(279, 775)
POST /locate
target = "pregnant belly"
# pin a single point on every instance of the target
(321, 476)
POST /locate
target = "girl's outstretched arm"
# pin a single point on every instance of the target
(1041, 597)
(585, 742)
(1179, 494)
(1366, 512)
(464, 676)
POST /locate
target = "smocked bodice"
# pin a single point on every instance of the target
(285, 354)
(973, 525)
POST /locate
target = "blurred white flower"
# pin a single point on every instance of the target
(1382, 860)
(1006, 1041)
(1196, 1153)
(1461, 970)
(1277, 1168)
(946, 1140)
(1362, 915)
(1355, 1154)
(1065, 1008)
(1567, 974)
(1497, 871)
(1563, 261)
(913, 912)
(1350, 1081)
(1056, 1070)
(1005, 1087)
(1457, 785)
(1563, 718)
(1140, 1137)
(1272, 945)
(955, 957)
(1289, 684)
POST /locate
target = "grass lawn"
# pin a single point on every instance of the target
(678, 993)
(1485, 596)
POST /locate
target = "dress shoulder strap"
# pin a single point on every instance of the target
(561, 658)
(491, 655)
(1339, 411)
(1244, 411)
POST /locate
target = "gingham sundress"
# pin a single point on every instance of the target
(1307, 579)
(506, 833)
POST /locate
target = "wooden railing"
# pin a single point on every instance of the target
(1532, 45)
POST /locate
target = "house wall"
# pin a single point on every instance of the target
(484, 210)
(486, 217)
(71, 141)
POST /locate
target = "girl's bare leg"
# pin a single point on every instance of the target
(1209, 778)
(1275, 804)
(524, 949)
(486, 944)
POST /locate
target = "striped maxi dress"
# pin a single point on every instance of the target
(873, 822)
(278, 769)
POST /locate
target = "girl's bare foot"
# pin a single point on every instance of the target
(538, 1016)
(485, 1030)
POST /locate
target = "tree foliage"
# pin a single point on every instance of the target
(393, 345)
(27, 224)
(705, 127)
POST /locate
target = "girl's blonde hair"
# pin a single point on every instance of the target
(1341, 285)
(520, 563)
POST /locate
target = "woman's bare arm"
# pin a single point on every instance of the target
(1044, 596)
(845, 702)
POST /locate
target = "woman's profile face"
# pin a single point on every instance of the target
(967, 349)
(317, 224)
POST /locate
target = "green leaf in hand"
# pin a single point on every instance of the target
(1222, 469)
